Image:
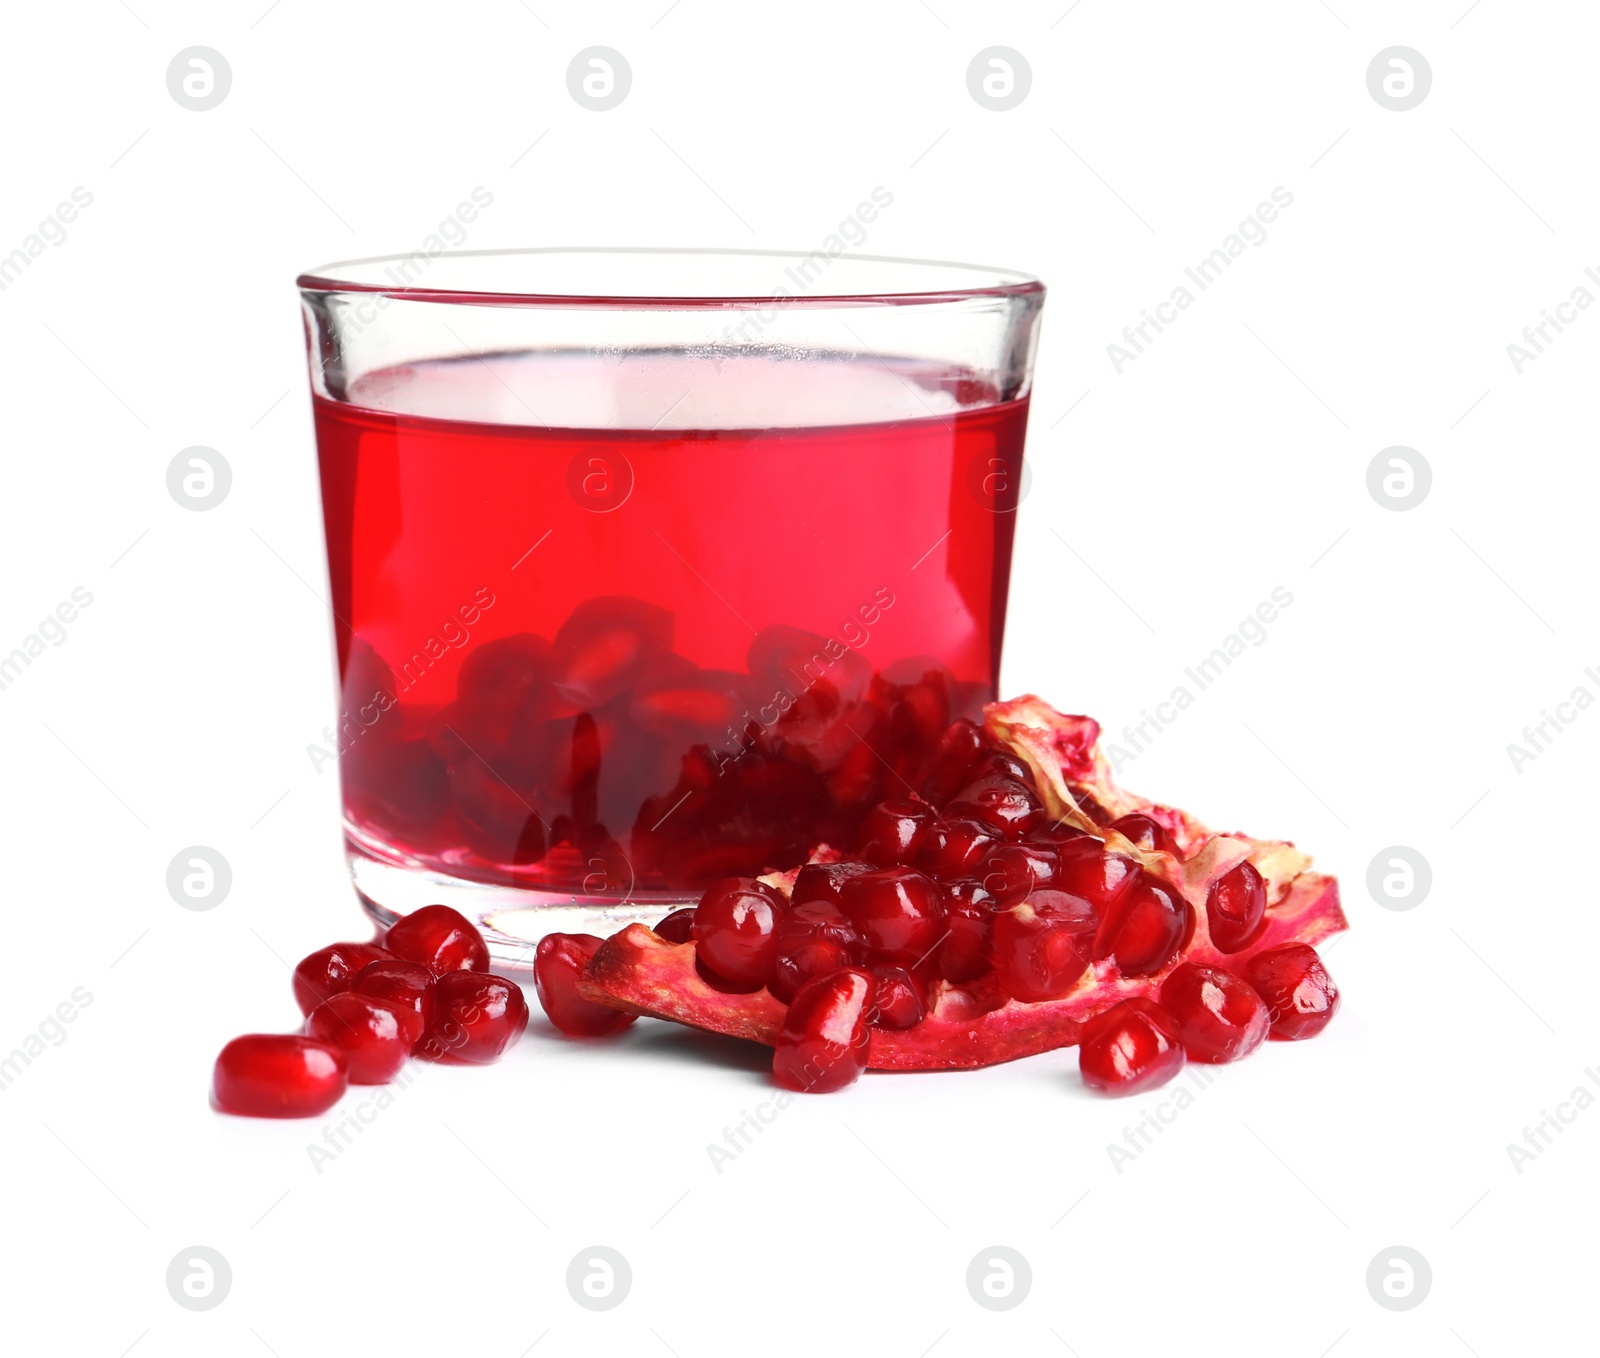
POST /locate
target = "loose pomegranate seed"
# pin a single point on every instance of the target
(678, 927)
(823, 1043)
(1130, 1048)
(954, 848)
(1236, 907)
(969, 923)
(824, 881)
(558, 966)
(897, 1001)
(900, 911)
(1144, 832)
(893, 831)
(329, 970)
(1010, 806)
(815, 938)
(406, 985)
(476, 1018)
(1219, 1018)
(958, 751)
(1044, 945)
(735, 931)
(440, 938)
(1146, 927)
(272, 1075)
(1299, 994)
(374, 1035)
(1013, 871)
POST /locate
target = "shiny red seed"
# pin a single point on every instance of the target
(958, 751)
(678, 927)
(1236, 907)
(1007, 804)
(272, 1075)
(329, 970)
(735, 931)
(998, 764)
(604, 646)
(1299, 994)
(1144, 832)
(375, 1036)
(824, 881)
(1013, 871)
(956, 847)
(558, 966)
(893, 831)
(824, 1042)
(407, 985)
(815, 938)
(897, 1001)
(1145, 929)
(439, 938)
(969, 930)
(899, 911)
(476, 1018)
(1131, 1048)
(1219, 1018)
(1043, 946)
(1101, 878)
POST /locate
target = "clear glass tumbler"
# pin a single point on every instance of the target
(650, 567)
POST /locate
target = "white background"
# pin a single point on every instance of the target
(1168, 501)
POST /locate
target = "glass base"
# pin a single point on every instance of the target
(512, 919)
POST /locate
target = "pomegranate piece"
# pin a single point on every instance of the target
(1145, 833)
(899, 911)
(1145, 929)
(476, 1018)
(1013, 871)
(735, 931)
(558, 966)
(1299, 994)
(1236, 906)
(1007, 804)
(955, 847)
(678, 927)
(958, 751)
(822, 1045)
(1218, 1017)
(406, 985)
(603, 646)
(897, 1001)
(1131, 1048)
(1043, 946)
(273, 1075)
(439, 938)
(969, 930)
(893, 831)
(824, 881)
(374, 1035)
(329, 970)
(814, 939)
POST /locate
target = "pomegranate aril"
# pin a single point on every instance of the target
(1007, 804)
(997, 764)
(893, 831)
(498, 821)
(439, 938)
(955, 848)
(375, 1036)
(678, 927)
(496, 682)
(1144, 832)
(897, 1001)
(558, 966)
(1013, 871)
(1236, 906)
(899, 911)
(1101, 878)
(1219, 1018)
(603, 646)
(1145, 929)
(1054, 834)
(969, 930)
(823, 1043)
(1299, 994)
(735, 931)
(406, 985)
(476, 1018)
(815, 938)
(329, 970)
(273, 1075)
(824, 881)
(958, 751)
(1132, 1047)
(1043, 946)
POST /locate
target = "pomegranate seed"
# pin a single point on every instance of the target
(824, 881)
(1236, 907)
(969, 924)
(1143, 832)
(1130, 1048)
(374, 1035)
(893, 831)
(558, 965)
(329, 970)
(1101, 878)
(896, 1003)
(998, 764)
(1010, 806)
(1299, 994)
(1219, 1018)
(602, 648)
(406, 985)
(1146, 927)
(1044, 945)
(498, 822)
(678, 927)
(271, 1075)
(495, 683)
(1013, 871)
(440, 938)
(682, 703)
(900, 911)
(823, 1043)
(958, 751)
(814, 938)
(735, 931)
(1056, 833)
(954, 848)
(476, 1018)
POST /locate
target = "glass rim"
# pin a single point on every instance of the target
(363, 276)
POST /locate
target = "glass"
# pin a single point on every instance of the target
(652, 567)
